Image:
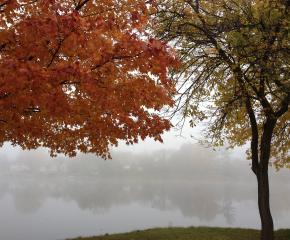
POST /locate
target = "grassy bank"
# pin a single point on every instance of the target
(196, 233)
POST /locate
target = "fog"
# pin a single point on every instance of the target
(189, 161)
(177, 183)
(55, 207)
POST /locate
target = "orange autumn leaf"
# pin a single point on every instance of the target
(81, 75)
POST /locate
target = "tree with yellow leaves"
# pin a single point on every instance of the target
(235, 77)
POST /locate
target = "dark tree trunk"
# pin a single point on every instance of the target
(261, 171)
(267, 225)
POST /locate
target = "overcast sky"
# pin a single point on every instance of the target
(171, 140)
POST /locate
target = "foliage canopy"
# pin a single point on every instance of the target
(235, 64)
(79, 75)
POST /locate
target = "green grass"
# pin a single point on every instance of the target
(196, 233)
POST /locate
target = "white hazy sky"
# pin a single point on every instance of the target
(171, 140)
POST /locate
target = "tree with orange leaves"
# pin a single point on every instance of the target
(81, 75)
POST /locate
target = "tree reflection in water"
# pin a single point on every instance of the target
(201, 199)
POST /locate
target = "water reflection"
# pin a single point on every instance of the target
(60, 201)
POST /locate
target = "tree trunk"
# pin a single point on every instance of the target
(267, 230)
(261, 171)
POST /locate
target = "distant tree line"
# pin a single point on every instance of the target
(189, 161)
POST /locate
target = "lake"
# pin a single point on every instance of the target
(59, 208)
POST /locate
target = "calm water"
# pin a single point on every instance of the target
(62, 208)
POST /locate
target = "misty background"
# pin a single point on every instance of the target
(179, 156)
(147, 185)
(189, 161)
